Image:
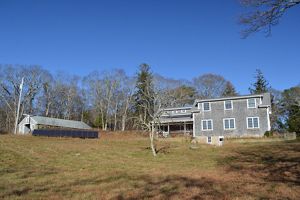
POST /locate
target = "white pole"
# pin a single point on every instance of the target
(18, 109)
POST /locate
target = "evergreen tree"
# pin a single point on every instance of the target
(290, 109)
(261, 85)
(293, 121)
(144, 103)
(229, 90)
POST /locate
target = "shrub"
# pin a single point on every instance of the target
(268, 134)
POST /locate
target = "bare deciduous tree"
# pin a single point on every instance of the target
(263, 14)
(209, 85)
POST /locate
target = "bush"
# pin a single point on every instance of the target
(268, 134)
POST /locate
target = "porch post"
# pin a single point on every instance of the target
(168, 128)
(184, 128)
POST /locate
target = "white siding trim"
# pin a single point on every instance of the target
(194, 128)
(199, 106)
(268, 118)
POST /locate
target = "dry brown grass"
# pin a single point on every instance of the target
(121, 166)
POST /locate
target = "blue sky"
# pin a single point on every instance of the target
(178, 38)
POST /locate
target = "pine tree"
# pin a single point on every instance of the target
(144, 99)
(293, 120)
(290, 109)
(144, 104)
(261, 85)
(229, 90)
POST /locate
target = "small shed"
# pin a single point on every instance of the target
(30, 123)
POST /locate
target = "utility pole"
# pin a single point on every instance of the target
(18, 109)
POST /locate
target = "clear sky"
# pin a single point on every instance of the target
(178, 38)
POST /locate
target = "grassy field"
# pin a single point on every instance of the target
(121, 166)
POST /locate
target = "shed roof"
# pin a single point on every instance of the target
(59, 122)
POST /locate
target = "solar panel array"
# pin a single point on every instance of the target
(65, 133)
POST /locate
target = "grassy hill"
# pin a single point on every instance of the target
(121, 166)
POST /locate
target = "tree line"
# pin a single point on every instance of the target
(112, 100)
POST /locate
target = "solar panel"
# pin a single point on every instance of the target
(65, 133)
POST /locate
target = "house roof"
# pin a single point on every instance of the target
(266, 99)
(177, 108)
(170, 120)
(229, 98)
(59, 122)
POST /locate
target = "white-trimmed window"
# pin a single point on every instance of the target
(209, 139)
(252, 122)
(251, 103)
(228, 105)
(229, 123)
(206, 106)
(207, 125)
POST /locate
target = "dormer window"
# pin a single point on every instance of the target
(206, 106)
(228, 105)
(251, 103)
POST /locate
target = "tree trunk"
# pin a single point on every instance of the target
(115, 115)
(124, 122)
(151, 135)
(47, 109)
(115, 122)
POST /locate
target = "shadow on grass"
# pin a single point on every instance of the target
(278, 162)
(127, 186)
(147, 187)
(25, 188)
(132, 187)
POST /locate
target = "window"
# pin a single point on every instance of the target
(209, 139)
(183, 111)
(229, 123)
(206, 106)
(252, 122)
(228, 105)
(207, 125)
(251, 103)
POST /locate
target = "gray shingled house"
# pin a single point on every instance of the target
(247, 115)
